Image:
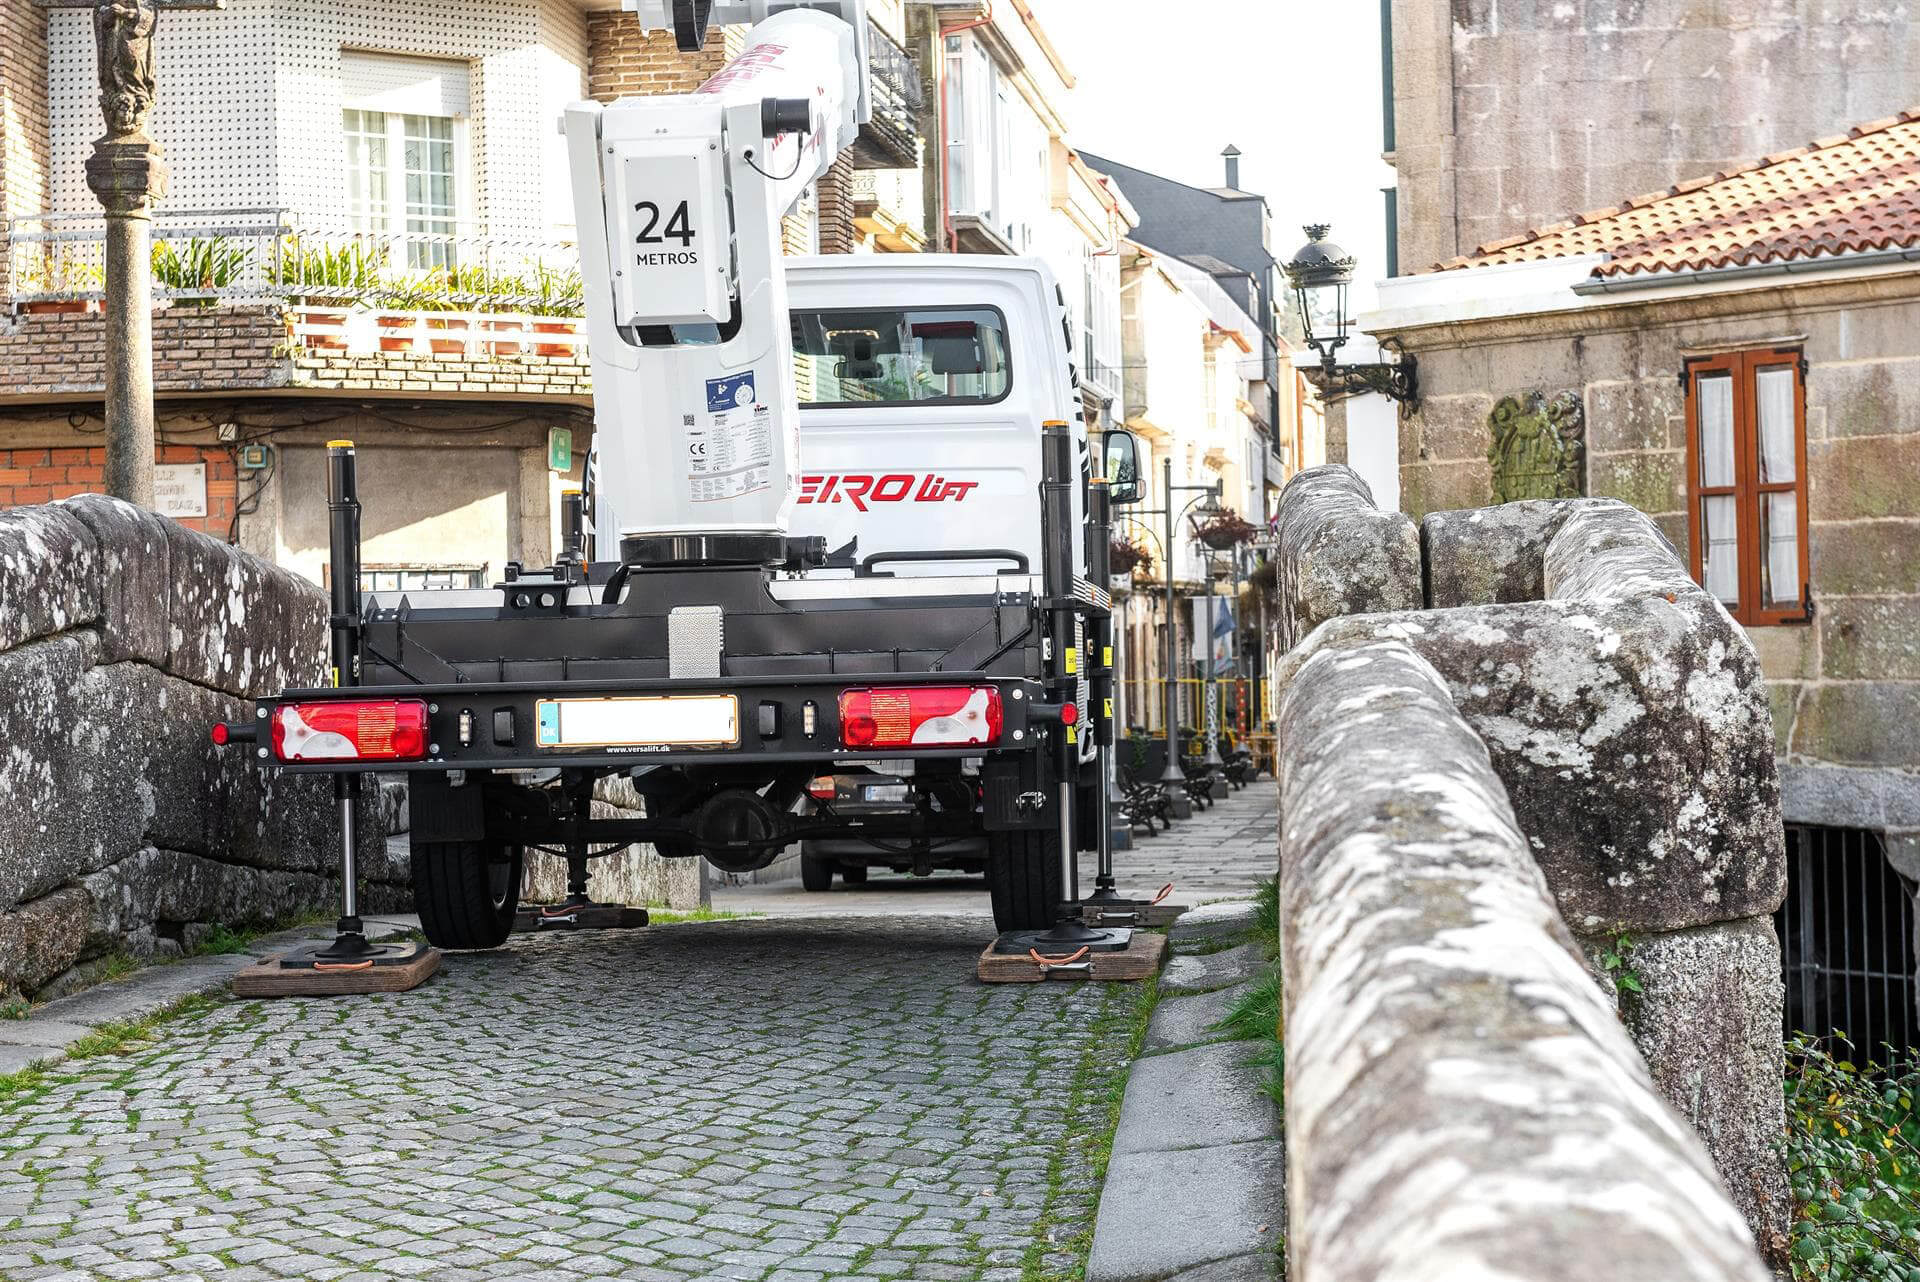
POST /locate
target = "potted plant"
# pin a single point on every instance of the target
(324, 283)
(1224, 529)
(559, 293)
(206, 264)
(60, 273)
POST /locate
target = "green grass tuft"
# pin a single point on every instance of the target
(1266, 917)
(1256, 1012)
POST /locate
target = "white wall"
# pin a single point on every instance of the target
(1373, 447)
(248, 102)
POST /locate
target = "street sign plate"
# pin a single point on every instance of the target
(180, 489)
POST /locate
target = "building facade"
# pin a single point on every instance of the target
(1739, 357)
(1511, 114)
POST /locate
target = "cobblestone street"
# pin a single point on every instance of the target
(744, 1100)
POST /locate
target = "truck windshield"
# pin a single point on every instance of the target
(920, 356)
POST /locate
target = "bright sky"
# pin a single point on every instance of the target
(1295, 84)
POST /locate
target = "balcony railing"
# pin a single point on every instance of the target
(447, 291)
(891, 140)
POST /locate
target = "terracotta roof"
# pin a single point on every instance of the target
(1851, 192)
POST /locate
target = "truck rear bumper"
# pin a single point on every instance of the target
(776, 721)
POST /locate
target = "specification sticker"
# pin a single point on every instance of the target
(730, 447)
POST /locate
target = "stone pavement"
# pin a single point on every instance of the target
(1220, 853)
(742, 1100)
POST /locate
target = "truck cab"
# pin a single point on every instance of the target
(923, 382)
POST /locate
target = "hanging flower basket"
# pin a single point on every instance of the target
(1225, 530)
(1129, 558)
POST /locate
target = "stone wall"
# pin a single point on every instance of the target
(123, 637)
(1512, 114)
(1461, 1100)
(1626, 717)
(1845, 687)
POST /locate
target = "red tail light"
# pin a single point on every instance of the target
(821, 789)
(382, 730)
(936, 717)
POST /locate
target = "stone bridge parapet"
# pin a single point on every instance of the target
(123, 637)
(1624, 715)
(1462, 1100)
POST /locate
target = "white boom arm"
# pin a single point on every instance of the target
(678, 201)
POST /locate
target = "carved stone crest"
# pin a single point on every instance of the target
(123, 32)
(1538, 447)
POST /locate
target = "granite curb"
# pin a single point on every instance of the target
(46, 1034)
(1195, 1191)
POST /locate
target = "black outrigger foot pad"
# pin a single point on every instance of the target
(325, 970)
(581, 916)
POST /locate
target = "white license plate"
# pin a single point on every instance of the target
(671, 721)
(885, 792)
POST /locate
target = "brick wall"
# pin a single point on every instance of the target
(33, 475)
(621, 62)
(563, 376)
(195, 349)
(23, 116)
(836, 208)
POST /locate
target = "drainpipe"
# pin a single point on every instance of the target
(946, 169)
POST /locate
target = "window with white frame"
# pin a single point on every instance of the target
(403, 123)
(998, 163)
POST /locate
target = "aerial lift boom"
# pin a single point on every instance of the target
(697, 432)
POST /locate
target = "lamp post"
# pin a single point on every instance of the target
(1320, 275)
(1210, 678)
(1173, 779)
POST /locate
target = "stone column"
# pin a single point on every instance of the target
(128, 176)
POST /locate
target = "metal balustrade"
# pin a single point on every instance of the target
(203, 257)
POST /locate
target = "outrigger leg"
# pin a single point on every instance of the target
(350, 963)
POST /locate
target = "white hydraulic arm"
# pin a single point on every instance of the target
(678, 201)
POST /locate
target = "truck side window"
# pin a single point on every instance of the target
(919, 356)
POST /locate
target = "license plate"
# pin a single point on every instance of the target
(885, 792)
(671, 721)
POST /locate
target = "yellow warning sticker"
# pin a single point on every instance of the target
(1073, 659)
(1109, 709)
(1106, 656)
(1073, 734)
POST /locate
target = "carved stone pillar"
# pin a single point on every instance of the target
(128, 175)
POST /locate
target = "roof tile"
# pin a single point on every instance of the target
(1841, 194)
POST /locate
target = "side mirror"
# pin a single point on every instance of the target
(1124, 481)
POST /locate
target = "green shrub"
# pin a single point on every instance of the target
(1853, 1157)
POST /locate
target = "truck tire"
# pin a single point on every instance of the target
(816, 872)
(1023, 878)
(465, 899)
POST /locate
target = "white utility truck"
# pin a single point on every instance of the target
(838, 518)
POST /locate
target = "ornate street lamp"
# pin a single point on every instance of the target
(1320, 275)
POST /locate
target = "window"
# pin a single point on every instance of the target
(947, 355)
(1746, 482)
(414, 155)
(403, 126)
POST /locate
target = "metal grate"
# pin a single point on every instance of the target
(1847, 941)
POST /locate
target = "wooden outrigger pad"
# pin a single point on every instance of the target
(397, 968)
(579, 917)
(1140, 958)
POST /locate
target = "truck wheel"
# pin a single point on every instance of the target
(1023, 878)
(464, 898)
(816, 873)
